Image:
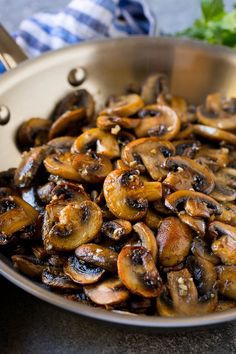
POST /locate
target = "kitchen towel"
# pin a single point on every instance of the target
(85, 20)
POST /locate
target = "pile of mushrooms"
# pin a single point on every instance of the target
(131, 209)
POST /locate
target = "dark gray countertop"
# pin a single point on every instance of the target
(28, 325)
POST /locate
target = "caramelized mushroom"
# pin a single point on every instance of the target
(188, 148)
(116, 229)
(60, 164)
(223, 193)
(217, 228)
(202, 249)
(69, 123)
(57, 279)
(137, 271)
(228, 214)
(159, 121)
(174, 241)
(92, 167)
(107, 292)
(124, 106)
(225, 249)
(62, 144)
(33, 132)
(30, 266)
(15, 214)
(148, 152)
(227, 280)
(196, 224)
(110, 122)
(98, 256)
(154, 85)
(81, 272)
(127, 196)
(70, 225)
(214, 134)
(147, 238)
(213, 158)
(152, 219)
(98, 141)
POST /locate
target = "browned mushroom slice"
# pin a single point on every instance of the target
(214, 134)
(124, 106)
(92, 167)
(165, 305)
(111, 122)
(186, 132)
(178, 200)
(183, 292)
(81, 272)
(227, 280)
(107, 292)
(174, 241)
(224, 305)
(27, 265)
(228, 214)
(127, 196)
(225, 249)
(202, 249)
(57, 279)
(213, 158)
(137, 270)
(69, 123)
(147, 238)
(217, 228)
(154, 85)
(203, 272)
(196, 224)
(39, 252)
(152, 219)
(61, 165)
(195, 208)
(62, 144)
(188, 148)
(98, 141)
(116, 229)
(66, 228)
(97, 255)
(202, 178)
(214, 115)
(33, 132)
(30, 165)
(74, 100)
(159, 121)
(148, 152)
(222, 192)
(69, 192)
(15, 214)
(227, 176)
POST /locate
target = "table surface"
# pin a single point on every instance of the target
(29, 325)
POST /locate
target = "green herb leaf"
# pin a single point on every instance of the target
(212, 9)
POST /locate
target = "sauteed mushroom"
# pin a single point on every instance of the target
(227, 280)
(197, 224)
(60, 164)
(56, 278)
(214, 134)
(202, 249)
(137, 271)
(69, 123)
(30, 266)
(111, 122)
(159, 121)
(154, 85)
(147, 238)
(124, 106)
(62, 144)
(98, 141)
(81, 272)
(213, 158)
(116, 229)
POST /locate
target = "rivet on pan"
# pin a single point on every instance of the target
(77, 76)
(4, 115)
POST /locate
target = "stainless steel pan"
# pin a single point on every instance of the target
(33, 88)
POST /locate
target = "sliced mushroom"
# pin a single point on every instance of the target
(97, 255)
(228, 214)
(154, 85)
(39, 252)
(127, 196)
(92, 167)
(30, 166)
(214, 134)
(174, 241)
(33, 132)
(69, 192)
(15, 214)
(152, 219)
(62, 144)
(27, 265)
(165, 305)
(225, 246)
(196, 224)
(107, 292)
(217, 228)
(60, 164)
(74, 100)
(178, 200)
(201, 249)
(186, 131)
(57, 279)
(137, 271)
(195, 208)
(227, 176)
(117, 229)
(223, 193)
(214, 115)
(147, 238)
(148, 152)
(203, 272)
(188, 148)
(81, 272)
(202, 179)
(213, 158)
(111, 122)
(159, 121)
(67, 226)
(224, 305)
(98, 141)
(124, 106)
(227, 280)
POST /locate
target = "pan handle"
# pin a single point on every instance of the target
(10, 53)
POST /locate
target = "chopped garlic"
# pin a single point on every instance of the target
(115, 130)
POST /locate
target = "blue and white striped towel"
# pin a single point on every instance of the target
(84, 20)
